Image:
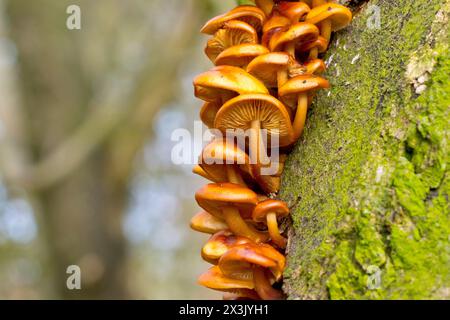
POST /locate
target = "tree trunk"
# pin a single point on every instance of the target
(368, 183)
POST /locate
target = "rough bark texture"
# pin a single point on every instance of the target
(368, 183)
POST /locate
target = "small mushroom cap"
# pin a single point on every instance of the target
(320, 43)
(339, 15)
(276, 20)
(199, 171)
(238, 261)
(208, 113)
(295, 11)
(233, 33)
(300, 84)
(275, 24)
(239, 112)
(240, 55)
(265, 5)
(215, 279)
(219, 243)
(219, 153)
(212, 85)
(249, 14)
(267, 66)
(270, 206)
(300, 33)
(315, 66)
(215, 196)
(207, 223)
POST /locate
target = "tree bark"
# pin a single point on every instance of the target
(368, 183)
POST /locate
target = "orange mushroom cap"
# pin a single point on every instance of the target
(219, 243)
(215, 279)
(208, 113)
(249, 14)
(339, 15)
(276, 20)
(299, 33)
(223, 81)
(269, 206)
(239, 112)
(219, 153)
(214, 196)
(315, 66)
(295, 11)
(238, 261)
(320, 43)
(233, 33)
(267, 66)
(290, 90)
(265, 5)
(199, 171)
(240, 55)
(207, 223)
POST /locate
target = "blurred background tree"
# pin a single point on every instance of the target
(85, 120)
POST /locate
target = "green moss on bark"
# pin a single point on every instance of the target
(368, 183)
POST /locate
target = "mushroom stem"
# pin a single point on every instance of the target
(300, 115)
(263, 286)
(274, 232)
(234, 176)
(325, 30)
(314, 53)
(282, 77)
(265, 5)
(290, 48)
(258, 152)
(239, 227)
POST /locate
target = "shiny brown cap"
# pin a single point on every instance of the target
(249, 14)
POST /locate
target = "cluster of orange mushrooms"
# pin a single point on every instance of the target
(266, 72)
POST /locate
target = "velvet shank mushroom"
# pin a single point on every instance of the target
(294, 93)
(265, 5)
(233, 33)
(219, 243)
(315, 47)
(274, 24)
(330, 17)
(224, 161)
(271, 68)
(296, 35)
(224, 82)
(315, 66)
(262, 263)
(269, 211)
(205, 222)
(240, 55)
(256, 112)
(208, 113)
(295, 11)
(228, 201)
(249, 14)
(216, 280)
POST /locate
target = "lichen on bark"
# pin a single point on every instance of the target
(368, 183)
